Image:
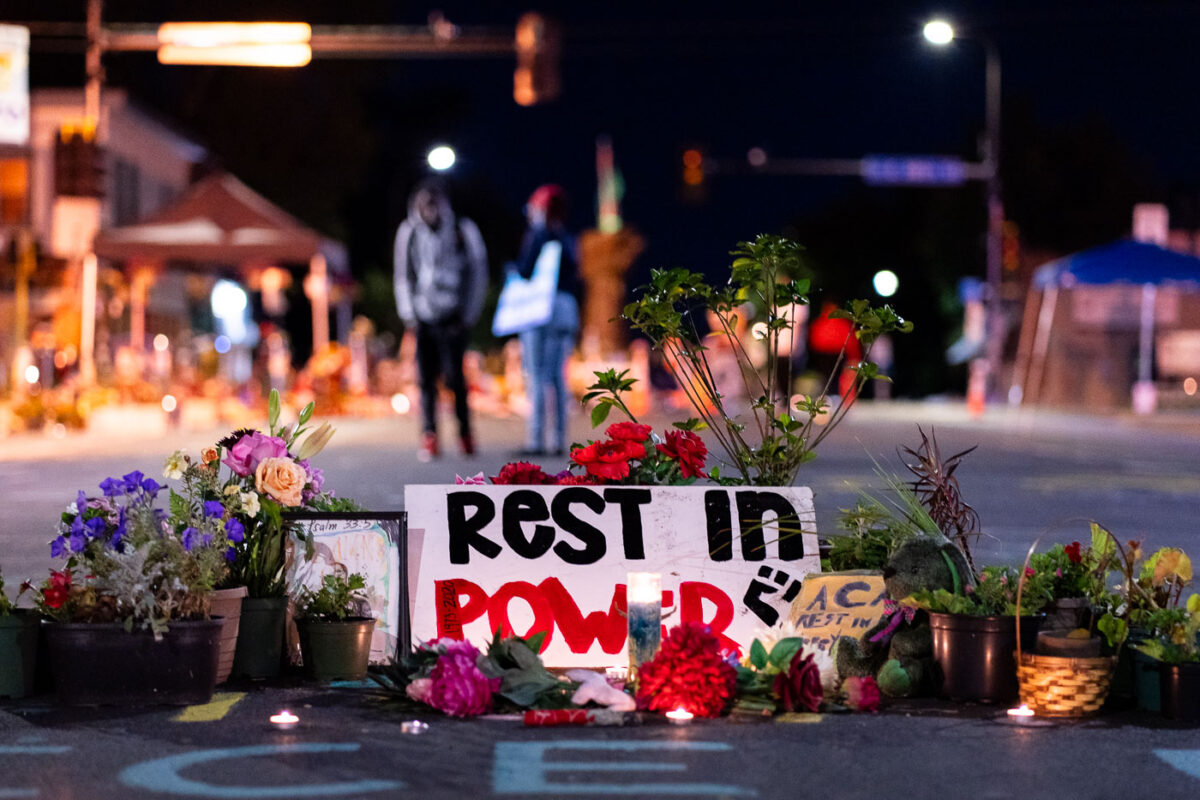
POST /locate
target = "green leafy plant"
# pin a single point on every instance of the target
(783, 436)
(994, 595)
(756, 678)
(340, 596)
(1177, 633)
(6, 606)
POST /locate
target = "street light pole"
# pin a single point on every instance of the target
(984, 380)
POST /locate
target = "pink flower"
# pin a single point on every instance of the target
(249, 451)
(477, 479)
(419, 689)
(862, 694)
(1058, 572)
(457, 687)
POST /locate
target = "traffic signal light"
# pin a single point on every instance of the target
(538, 42)
(695, 169)
(78, 162)
(1010, 247)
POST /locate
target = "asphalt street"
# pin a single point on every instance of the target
(1033, 475)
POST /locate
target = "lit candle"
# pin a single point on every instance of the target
(1021, 711)
(680, 716)
(617, 674)
(644, 601)
(284, 720)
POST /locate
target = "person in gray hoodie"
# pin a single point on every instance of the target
(440, 277)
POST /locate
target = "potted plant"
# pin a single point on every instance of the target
(335, 633)
(265, 475)
(129, 611)
(1175, 649)
(18, 648)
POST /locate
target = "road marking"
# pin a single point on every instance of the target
(1187, 761)
(162, 774)
(521, 768)
(28, 750)
(212, 711)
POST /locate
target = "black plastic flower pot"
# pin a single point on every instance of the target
(18, 654)
(976, 655)
(336, 651)
(1147, 682)
(105, 665)
(1180, 691)
(259, 650)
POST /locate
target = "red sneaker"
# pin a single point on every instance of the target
(429, 447)
(468, 446)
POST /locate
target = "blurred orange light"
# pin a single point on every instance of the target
(523, 92)
(692, 159)
(240, 55)
(1189, 386)
(693, 176)
(248, 44)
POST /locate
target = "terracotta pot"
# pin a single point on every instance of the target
(105, 665)
(227, 604)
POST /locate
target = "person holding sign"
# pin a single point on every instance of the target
(441, 277)
(545, 346)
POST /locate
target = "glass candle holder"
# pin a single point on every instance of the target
(644, 601)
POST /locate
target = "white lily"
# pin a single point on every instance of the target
(315, 442)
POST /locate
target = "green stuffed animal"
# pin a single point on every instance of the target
(898, 650)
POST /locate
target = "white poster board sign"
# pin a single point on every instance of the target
(524, 559)
(369, 545)
(14, 85)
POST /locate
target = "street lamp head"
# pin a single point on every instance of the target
(441, 158)
(939, 32)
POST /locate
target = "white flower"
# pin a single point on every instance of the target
(176, 464)
(232, 489)
(249, 503)
(73, 509)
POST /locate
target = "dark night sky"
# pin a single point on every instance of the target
(339, 143)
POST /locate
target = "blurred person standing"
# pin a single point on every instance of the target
(440, 278)
(544, 349)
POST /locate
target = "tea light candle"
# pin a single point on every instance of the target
(617, 674)
(680, 716)
(1020, 712)
(285, 720)
(644, 601)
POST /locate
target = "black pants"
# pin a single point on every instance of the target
(440, 349)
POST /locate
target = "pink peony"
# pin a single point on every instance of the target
(419, 689)
(245, 455)
(457, 687)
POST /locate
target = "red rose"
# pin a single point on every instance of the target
(607, 460)
(522, 473)
(1072, 551)
(628, 432)
(576, 480)
(799, 688)
(688, 449)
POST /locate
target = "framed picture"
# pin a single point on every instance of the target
(373, 543)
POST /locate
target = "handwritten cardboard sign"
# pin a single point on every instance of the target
(367, 544)
(525, 559)
(837, 604)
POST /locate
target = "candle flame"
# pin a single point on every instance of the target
(284, 717)
(680, 714)
(1021, 711)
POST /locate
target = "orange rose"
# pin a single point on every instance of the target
(281, 479)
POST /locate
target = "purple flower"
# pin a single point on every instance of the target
(234, 530)
(316, 477)
(150, 486)
(58, 548)
(213, 508)
(81, 501)
(95, 527)
(458, 687)
(111, 487)
(247, 452)
(191, 537)
(230, 555)
(133, 481)
(78, 542)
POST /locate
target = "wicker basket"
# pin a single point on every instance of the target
(1060, 686)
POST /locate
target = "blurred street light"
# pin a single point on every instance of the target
(941, 33)
(247, 44)
(885, 282)
(441, 158)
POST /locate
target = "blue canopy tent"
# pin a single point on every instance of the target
(1124, 263)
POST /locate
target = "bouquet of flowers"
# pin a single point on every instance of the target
(453, 677)
(268, 474)
(128, 561)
